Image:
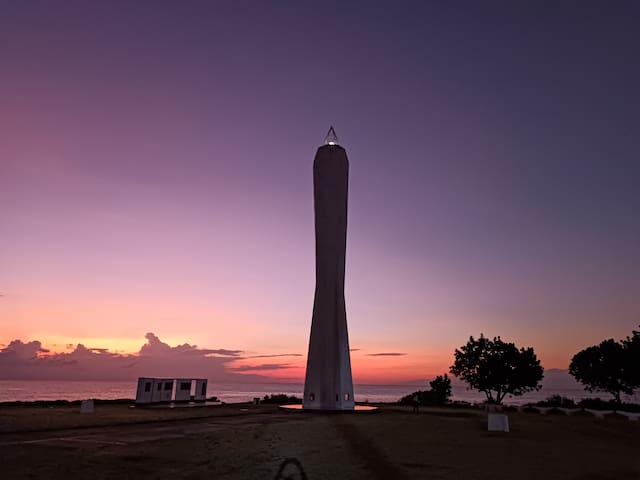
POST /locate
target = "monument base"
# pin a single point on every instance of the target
(300, 409)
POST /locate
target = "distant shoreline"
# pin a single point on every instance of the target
(599, 404)
(30, 391)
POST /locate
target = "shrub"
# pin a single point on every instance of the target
(281, 399)
(599, 404)
(557, 401)
(438, 394)
(441, 388)
(425, 397)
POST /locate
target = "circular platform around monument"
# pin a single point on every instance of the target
(299, 409)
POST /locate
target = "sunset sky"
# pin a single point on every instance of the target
(156, 181)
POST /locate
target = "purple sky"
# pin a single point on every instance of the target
(155, 174)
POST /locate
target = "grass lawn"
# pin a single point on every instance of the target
(237, 442)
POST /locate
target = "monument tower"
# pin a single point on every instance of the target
(328, 384)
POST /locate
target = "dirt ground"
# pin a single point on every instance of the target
(252, 442)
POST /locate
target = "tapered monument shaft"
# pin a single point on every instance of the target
(328, 383)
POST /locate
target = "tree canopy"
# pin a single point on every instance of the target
(441, 388)
(438, 395)
(611, 366)
(497, 368)
(632, 346)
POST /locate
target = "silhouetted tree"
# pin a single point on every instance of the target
(424, 397)
(607, 367)
(441, 388)
(497, 368)
(632, 348)
(438, 395)
(557, 401)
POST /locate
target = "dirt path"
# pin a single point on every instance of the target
(378, 464)
(126, 434)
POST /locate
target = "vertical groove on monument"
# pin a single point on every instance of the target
(328, 384)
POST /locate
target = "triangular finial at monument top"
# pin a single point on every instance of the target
(331, 138)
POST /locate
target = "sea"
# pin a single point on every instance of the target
(31, 390)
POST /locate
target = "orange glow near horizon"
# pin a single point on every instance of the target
(122, 346)
(367, 368)
(90, 322)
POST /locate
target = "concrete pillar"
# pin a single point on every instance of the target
(328, 382)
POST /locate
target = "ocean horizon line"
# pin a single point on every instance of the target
(233, 392)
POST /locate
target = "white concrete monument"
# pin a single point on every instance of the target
(328, 384)
(497, 422)
(87, 406)
(159, 390)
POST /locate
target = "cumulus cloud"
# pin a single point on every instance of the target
(20, 360)
(386, 354)
(155, 346)
(21, 350)
(82, 352)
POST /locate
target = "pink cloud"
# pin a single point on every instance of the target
(21, 350)
(20, 360)
(155, 346)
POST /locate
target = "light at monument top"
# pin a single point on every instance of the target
(331, 138)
